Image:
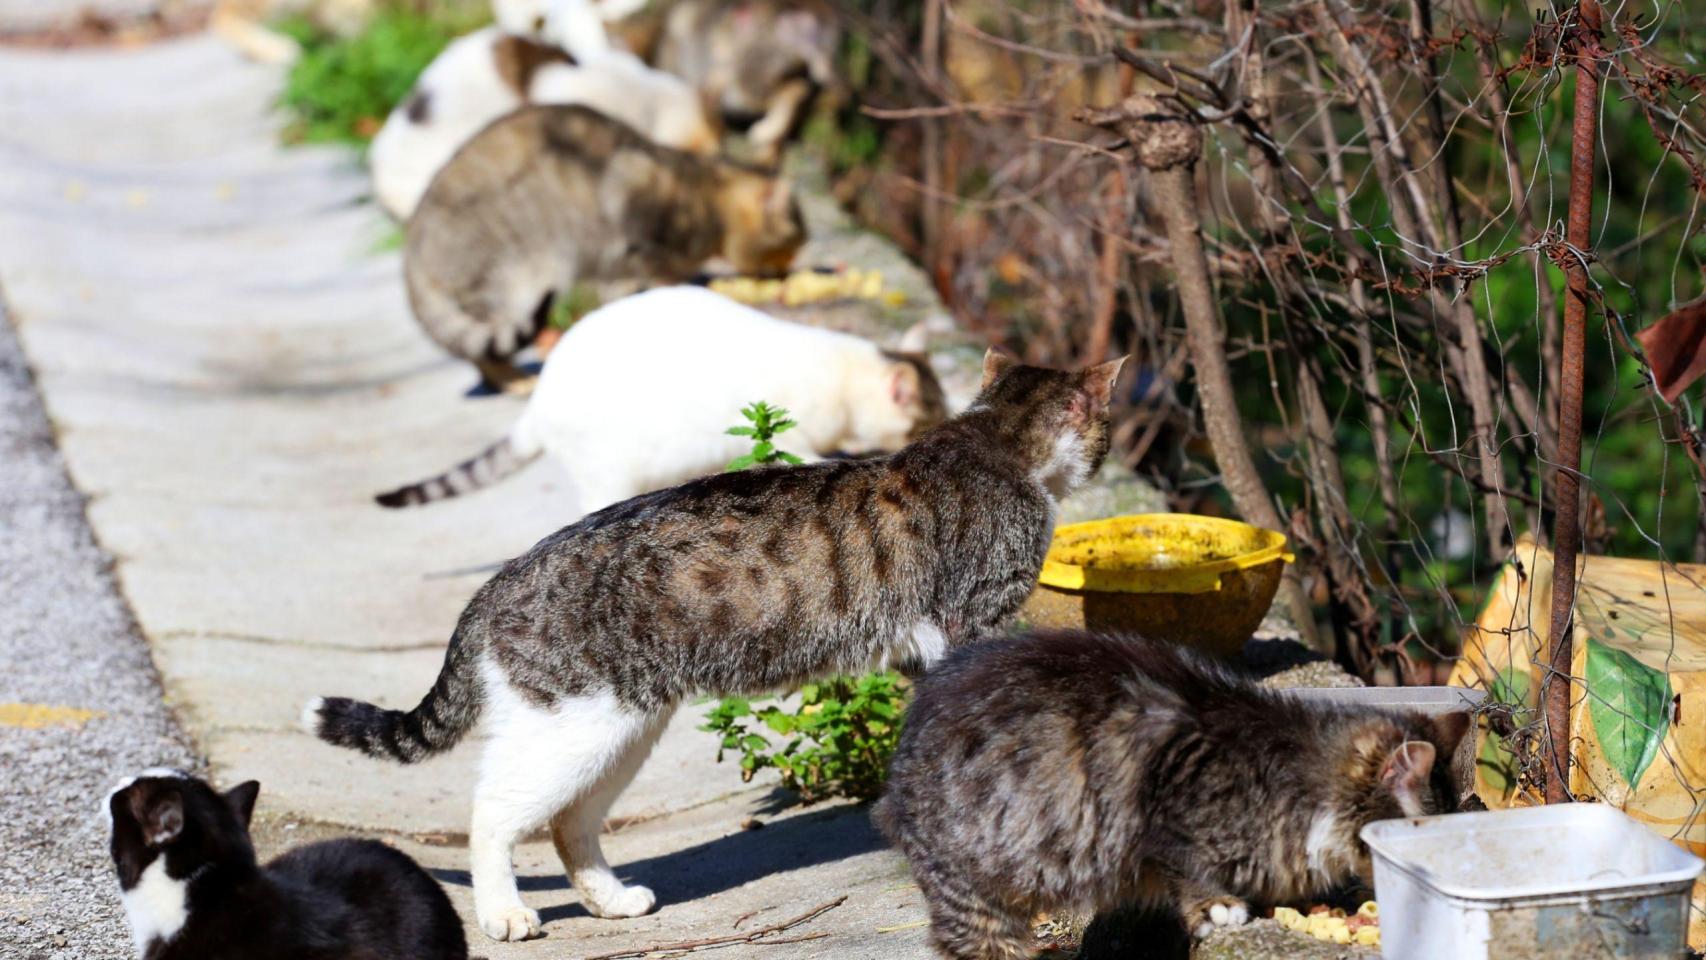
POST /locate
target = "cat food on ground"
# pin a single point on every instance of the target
(1323, 923)
(809, 286)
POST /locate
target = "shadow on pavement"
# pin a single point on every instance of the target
(728, 862)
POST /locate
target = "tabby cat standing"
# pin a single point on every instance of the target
(576, 653)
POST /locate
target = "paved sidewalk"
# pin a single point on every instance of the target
(232, 372)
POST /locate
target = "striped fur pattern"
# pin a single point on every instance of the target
(483, 469)
(447, 711)
(549, 196)
(1071, 770)
(735, 583)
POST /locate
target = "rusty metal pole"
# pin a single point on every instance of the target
(1566, 528)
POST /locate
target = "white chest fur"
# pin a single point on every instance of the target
(157, 906)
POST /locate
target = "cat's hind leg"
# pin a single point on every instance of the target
(575, 831)
(538, 761)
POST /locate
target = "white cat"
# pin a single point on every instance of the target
(639, 395)
(486, 74)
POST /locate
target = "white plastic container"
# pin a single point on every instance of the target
(1428, 700)
(1565, 882)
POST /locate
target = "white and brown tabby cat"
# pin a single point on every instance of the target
(488, 73)
(577, 652)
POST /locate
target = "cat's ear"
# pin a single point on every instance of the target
(241, 800)
(996, 362)
(1099, 381)
(1406, 773)
(1448, 730)
(160, 813)
(903, 384)
(916, 339)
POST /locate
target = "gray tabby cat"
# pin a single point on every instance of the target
(1070, 770)
(578, 651)
(551, 195)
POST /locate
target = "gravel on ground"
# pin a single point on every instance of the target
(68, 644)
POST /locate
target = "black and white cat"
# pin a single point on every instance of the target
(192, 889)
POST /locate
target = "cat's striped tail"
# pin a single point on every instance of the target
(481, 470)
(446, 713)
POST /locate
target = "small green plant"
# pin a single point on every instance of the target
(341, 88)
(840, 737)
(766, 422)
(838, 742)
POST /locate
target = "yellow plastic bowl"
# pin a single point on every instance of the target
(1202, 581)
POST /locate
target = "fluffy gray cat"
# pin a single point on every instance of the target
(578, 651)
(1074, 771)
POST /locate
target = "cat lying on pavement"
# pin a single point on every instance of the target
(192, 889)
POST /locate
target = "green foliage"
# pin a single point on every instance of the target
(837, 743)
(767, 422)
(341, 89)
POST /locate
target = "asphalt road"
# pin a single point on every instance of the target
(80, 702)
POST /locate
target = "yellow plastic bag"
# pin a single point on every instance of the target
(1638, 696)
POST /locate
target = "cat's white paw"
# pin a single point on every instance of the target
(514, 923)
(1219, 913)
(633, 901)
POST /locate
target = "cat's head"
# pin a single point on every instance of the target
(1056, 419)
(763, 228)
(904, 401)
(1388, 767)
(169, 828)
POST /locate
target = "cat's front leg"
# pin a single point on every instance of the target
(1205, 912)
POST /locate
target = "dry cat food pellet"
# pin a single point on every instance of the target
(809, 286)
(1361, 928)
